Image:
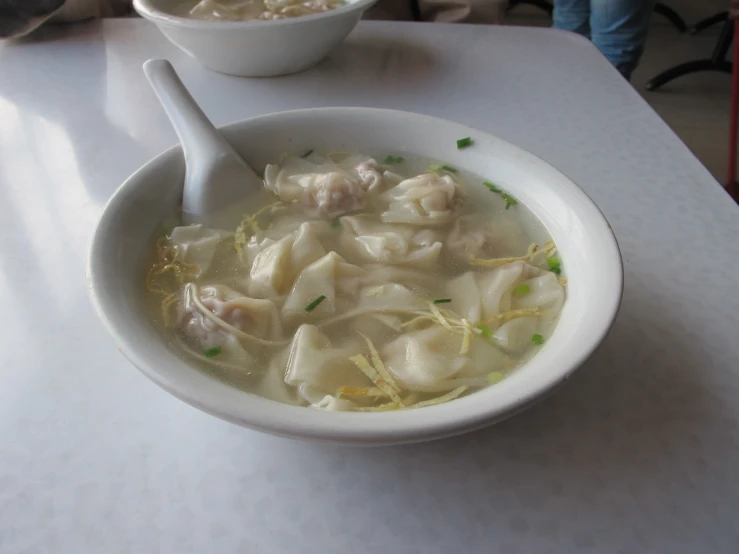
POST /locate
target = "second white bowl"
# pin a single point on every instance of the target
(255, 48)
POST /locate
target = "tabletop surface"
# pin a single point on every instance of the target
(638, 453)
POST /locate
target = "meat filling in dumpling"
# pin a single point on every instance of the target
(321, 194)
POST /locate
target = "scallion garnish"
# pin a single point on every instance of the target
(214, 351)
(442, 301)
(335, 223)
(464, 143)
(496, 377)
(312, 306)
(509, 200)
(438, 168)
(521, 290)
(555, 266)
(308, 153)
(537, 339)
(392, 160)
(486, 331)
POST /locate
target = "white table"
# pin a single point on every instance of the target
(638, 453)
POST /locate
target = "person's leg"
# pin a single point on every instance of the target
(572, 15)
(619, 30)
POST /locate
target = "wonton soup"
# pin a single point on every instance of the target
(359, 285)
(251, 10)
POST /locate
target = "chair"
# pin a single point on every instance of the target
(717, 61)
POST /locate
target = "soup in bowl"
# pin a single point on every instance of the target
(412, 281)
(255, 38)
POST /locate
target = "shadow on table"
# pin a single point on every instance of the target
(626, 420)
(380, 63)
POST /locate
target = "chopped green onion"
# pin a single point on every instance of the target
(335, 223)
(496, 377)
(521, 290)
(392, 160)
(214, 351)
(308, 153)
(312, 306)
(438, 168)
(442, 301)
(464, 143)
(486, 331)
(537, 339)
(509, 200)
(555, 266)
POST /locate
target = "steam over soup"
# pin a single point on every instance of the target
(361, 286)
(248, 10)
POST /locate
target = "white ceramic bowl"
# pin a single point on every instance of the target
(591, 259)
(255, 48)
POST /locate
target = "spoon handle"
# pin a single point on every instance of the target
(198, 136)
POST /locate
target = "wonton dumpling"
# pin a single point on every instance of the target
(377, 326)
(333, 404)
(323, 193)
(287, 225)
(369, 175)
(331, 276)
(545, 293)
(465, 297)
(515, 335)
(322, 401)
(479, 236)
(428, 199)
(197, 244)
(204, 333)
(232, 352)
(318, 368)
(275, 268)
(363, 169)
(388, 297)
(496, 286)
(479, 296)
(374, 241)
(418, 280)
(429, 359)
(251, 315)
(226, 11)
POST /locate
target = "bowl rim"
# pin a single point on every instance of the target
(374, 428)
(147, 9)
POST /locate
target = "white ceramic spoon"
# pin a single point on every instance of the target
(216, 177)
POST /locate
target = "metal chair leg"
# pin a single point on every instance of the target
(717, 62)
(541, 4)
(672, 16)
(685, 69)
(704, 24)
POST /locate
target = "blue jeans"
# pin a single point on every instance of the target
(617, 27)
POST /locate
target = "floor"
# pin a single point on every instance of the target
(695, 106)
